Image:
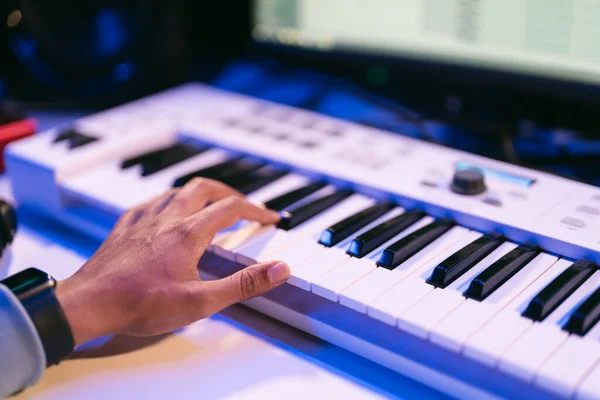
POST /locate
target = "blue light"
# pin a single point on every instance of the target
(354, 249)
(387, 257)
(25, 47)
(123, 71)
(110, 32)
(326, 238)
(495, 174)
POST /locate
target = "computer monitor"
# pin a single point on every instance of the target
(547, 38)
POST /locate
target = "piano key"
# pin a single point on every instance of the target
(493, 339)
(424, 316)
(259, 249)
(369, 241)
(340, 210)
(255, 180)
(502, 270)
(585, 316)
(531, 350)
(341, 230)
(335, 280)
(569, 364)
(408, 246)
(305, 272)
(589, 388)
(458, 263)
(302, 248)
(369, 286)
(345, 244)
(221, 172)
(488, 344)
(297, 215)
(306, 234)
(563, 312)
(74, 138)
(420, 318)
(387, 305)
(226, 243)
(559, 289)
(285, 200)
(456, 328)
(158, 160)
(289, 182)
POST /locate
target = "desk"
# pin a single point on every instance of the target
(236, 354)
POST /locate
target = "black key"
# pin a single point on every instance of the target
(279, 203)
(373, 238)
(501, 271)
(463, 260)
(410, 245)
(292, 218)
(221, 172)
(74, 138)
(255, 180)
(340, 231)
(559, 289)
(585, 316)
(158, 160)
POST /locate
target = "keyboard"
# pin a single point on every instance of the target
(476, 277)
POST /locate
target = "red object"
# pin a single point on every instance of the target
(15, 131)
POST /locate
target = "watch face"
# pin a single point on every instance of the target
(29, 282)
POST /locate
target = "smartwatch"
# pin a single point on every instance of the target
(35, 290)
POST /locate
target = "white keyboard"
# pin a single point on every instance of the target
(471, 275)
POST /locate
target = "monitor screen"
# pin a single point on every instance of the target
(547, 38)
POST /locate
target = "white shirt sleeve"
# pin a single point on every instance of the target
(21, 351)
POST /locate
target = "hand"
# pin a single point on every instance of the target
(143, 280)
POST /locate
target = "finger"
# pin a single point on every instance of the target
(227, 212)
(196, 194)
(158, 204)
(252, 281)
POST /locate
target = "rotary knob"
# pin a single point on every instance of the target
(468, 182)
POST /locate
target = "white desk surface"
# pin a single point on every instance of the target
(237, 354)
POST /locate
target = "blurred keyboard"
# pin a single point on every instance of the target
(473, 276)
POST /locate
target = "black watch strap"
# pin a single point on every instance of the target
(52, 325)
(35, 290)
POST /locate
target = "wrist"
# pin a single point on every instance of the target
(84, 305)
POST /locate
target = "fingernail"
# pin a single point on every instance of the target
(278, 272)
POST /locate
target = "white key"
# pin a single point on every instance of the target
(358, 295)
(315, 226)
(331, 283)
(520, 303)
(301, 249)
(260, 249)
(568, 365)
(283, 185)
(420, 318)
(428, 312)
(388, 306)
(589, 389)
(304, 273)
(227, 241)
(465, 320)
(495, 337)
(532, 349)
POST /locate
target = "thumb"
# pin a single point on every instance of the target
(251, 281)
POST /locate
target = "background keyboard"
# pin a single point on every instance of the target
(481, 284)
